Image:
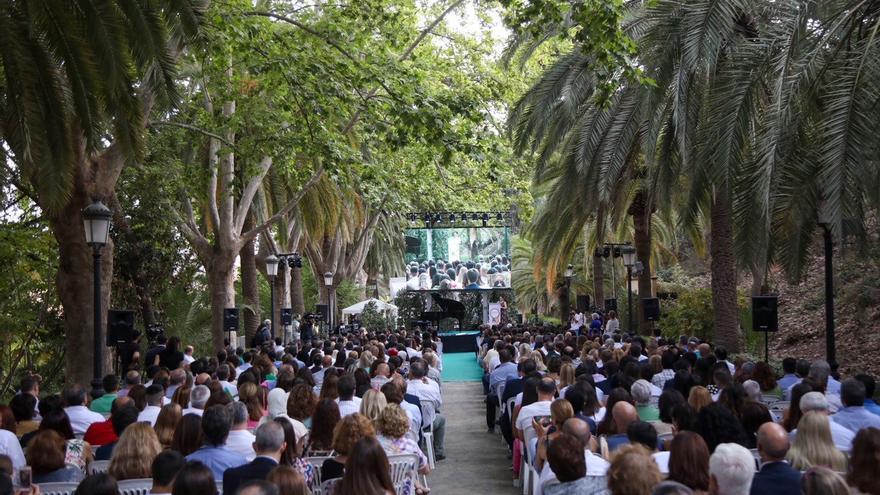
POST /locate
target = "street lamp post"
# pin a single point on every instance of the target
(830, 345)
(629, 260)
(96, 221)
(272, 271)
(328, 281)
(565, 300)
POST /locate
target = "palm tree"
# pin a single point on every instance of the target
(78, 80)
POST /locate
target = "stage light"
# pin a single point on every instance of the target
(499, 216)
(452, 218)
(606, 252)
(474, 217)
(485, 219)
(617, 253)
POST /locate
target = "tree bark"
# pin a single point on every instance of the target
(723, 267)
(250, 289)
(221, 281)
(296, 291)
(564, 294)
(598, 272)
(642, 240)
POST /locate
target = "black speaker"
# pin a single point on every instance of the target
(583, 303)
(651, 306)
(323, 310)
(611, 304)
(230, 319)
(286, 316)
(120, 326)
(764, 313)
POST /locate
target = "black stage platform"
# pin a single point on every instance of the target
(459, 341)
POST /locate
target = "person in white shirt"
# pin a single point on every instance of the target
(154, 396)
(240, 440)
(165, 467)
(348, 403)
(188, 355)
(223, 377)
(524, 429)
(81, 417)
(197, 400)
(428, 392)
(10, 446)
(382, 377)
(596, 465)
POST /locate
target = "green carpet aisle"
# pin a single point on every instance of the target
(461, 367)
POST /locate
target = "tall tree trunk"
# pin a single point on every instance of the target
(598, 272)
(723, 267)
(221, 281)
(564, 294)
(642, 240)
(758, 279)
(75, 290)
(296, 291)
(250, 288)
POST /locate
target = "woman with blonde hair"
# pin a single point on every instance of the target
(699, 397)
(813, 445)
(633, 471)
(251, 396)
(366, 360)
(823, 481)
(373, 404)
(166, 423)
(566, 376)
(134, 453)
(617, 354)
(525, 352)
(539, 360)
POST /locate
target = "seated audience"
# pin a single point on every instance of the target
(348, 431)
(644, 434)
(689, 461)
(11, 448)
(269, 445)
(776, 475)
(78, 453)
(103, 403)
(81, 417)
(292, 454)
(240, 439)
(624, 414)
(154, 396)
(194, 478)
(198, 397)
(566, 460)
(813, 445)
(717, 425)
(854, 416)
(134, 453)
(98, 484)
(257, 487)
(301, 405)
(392, 427)
(166, 423)
(325, 419)
(864, 461)
(188, 435)
(45, 456)
(823, 481)
(372, 405)
(163, 470)
(288, 480)
(366, 470)
(731, 468)
(632, 471)
(641, 394)
(24, 408)
(216, 423)
(102, 432)
(122, 418)
(428, 393)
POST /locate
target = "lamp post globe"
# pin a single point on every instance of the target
(96, 224)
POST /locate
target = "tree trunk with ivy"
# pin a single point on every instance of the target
(723, 267)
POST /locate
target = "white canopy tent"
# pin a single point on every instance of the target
(358, 308)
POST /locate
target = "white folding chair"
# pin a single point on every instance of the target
(316, 463)
(429, 410)
(404, 472)
(139, 486)
(98, 467)
(65, 488)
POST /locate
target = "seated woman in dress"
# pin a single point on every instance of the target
(393, 425)
(45, 455)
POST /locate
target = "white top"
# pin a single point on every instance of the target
(348, 407)
(188, 359)
(298, 427)
(524, 420)
(81, 418)
(612, 326)
(10, 446)
(149, 415)
(662, 460)
(242, 442)
(415, 417)
(193, 410)
(229, 387)
(596, 466)
(425, 390)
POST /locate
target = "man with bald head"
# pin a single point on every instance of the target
(579, 429)
(776, 475)
(624, 414)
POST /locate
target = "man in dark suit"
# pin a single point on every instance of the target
(776, 475)
(269, 445)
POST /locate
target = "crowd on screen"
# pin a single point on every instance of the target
(249, 421)
(600, 411)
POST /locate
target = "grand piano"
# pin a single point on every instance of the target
(449, 308)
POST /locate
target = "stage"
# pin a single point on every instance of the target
(459, 341)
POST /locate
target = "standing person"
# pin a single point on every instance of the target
(171, 357)
(612, 325)
(263, 335)
(306, 332)
(294, 328)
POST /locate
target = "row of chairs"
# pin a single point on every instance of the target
(404, 474)
(126, 487)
